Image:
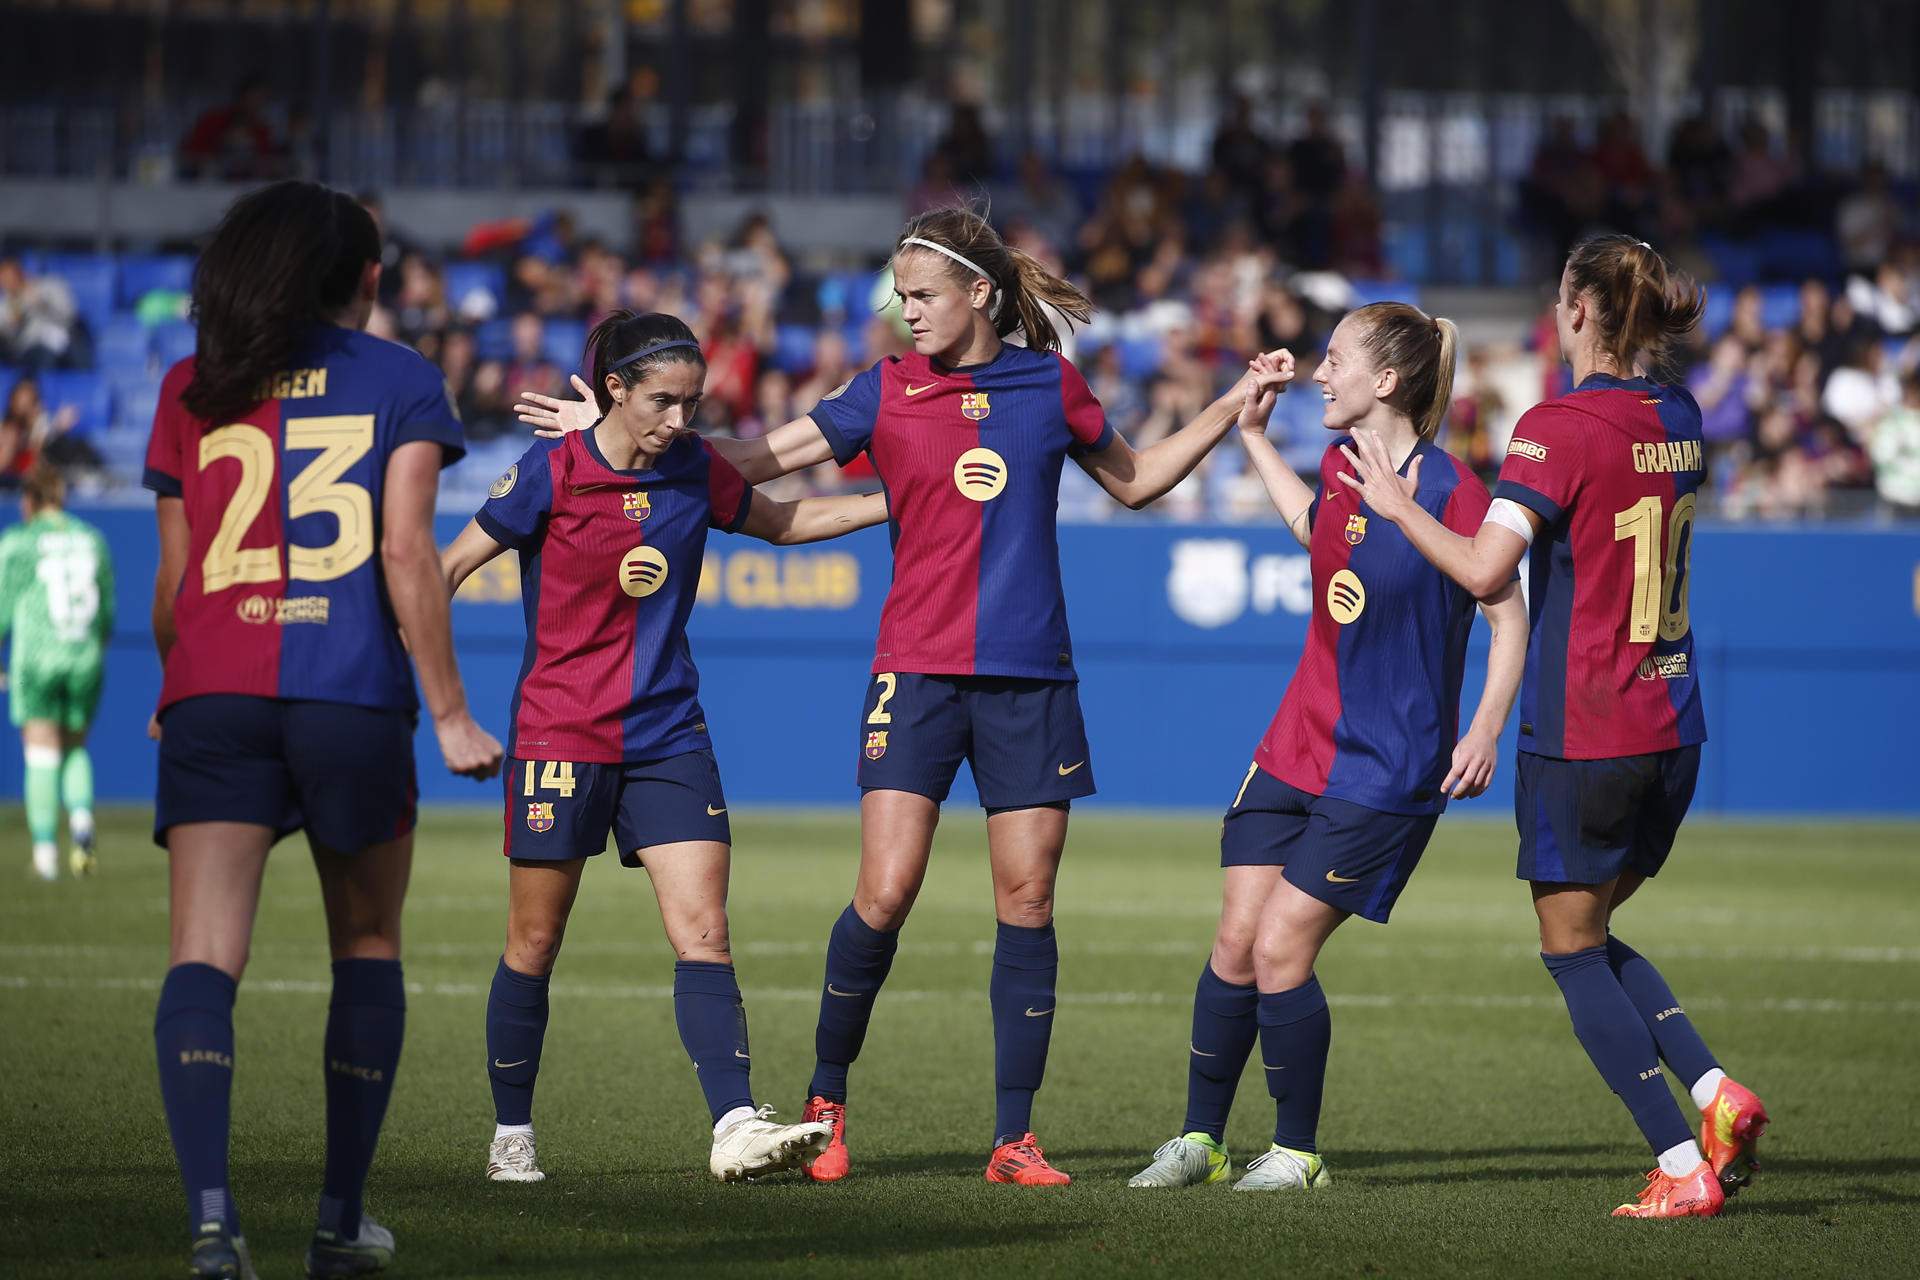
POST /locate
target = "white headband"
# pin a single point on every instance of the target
(993, 308)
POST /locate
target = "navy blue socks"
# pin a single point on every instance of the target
(713, 1028)
(1225, 1025)
(858, 958)
(516, 1028)
(1026, 967)
(1686, 1054)
(365, 1026)
(193, 1040)
(1295, 1030)
(1615, 1036)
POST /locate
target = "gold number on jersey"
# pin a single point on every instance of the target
(1660, 583)
(887, 682)
(342, 439)
(227, 563)
(555, 775)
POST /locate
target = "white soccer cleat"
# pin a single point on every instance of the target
(330, 1255)
(1190, 1160)
(46, 861)
(511, 1159)
(755, 1145)
(1281, 1169)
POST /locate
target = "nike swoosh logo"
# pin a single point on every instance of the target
(747, 1057)
(504, 1065)
(1066, 769)
(714, 813)
(1339, 879)
(835, 991)
(914, 391)
(579, 489)
(1043, 1013)
(1201, 1052)
(1269, 1067)
(1331, 495)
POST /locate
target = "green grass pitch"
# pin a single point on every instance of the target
(1466, 1132)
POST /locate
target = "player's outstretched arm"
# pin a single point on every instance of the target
(790, 447)
(1475, 754)
(1136, 479)
(787, 524)
(419, 594)
(465, 554)
(1269, 376)
(171, 515)
(1482, 564)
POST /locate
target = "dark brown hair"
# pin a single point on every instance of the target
(1639, 301)
(1019, 278)
(1418, 347)
(625, 332)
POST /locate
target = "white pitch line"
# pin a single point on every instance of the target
(809, 995)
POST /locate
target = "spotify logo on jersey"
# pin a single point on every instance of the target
(1346, 597)
(980, 474)
(642, 571)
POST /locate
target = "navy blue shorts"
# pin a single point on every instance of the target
(558, 811)
(344, 773)
(1587, 821)
(1024, 739)
(1347, 855)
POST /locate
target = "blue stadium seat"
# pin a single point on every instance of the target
(1737, 263)
(173, 342)
(1719, 312)
(1365, 291)
(564, 342)
(125, 343)
(1406, 249)
(140, 275)
(793, 348)
(466, 278)
(1780, 305)
(494, 339)
(8, 376)
(85, 391)
(1140, 357)
(134, 400)
(91, 277)
(1798, 255)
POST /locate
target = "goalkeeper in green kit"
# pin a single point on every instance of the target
(56, 601)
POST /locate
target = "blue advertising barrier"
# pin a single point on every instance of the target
(1808, 646)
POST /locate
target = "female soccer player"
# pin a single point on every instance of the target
(1601, 484)
(973, 662)
(56, 598)
(296, 461)
(1360, 760)
(608, 736)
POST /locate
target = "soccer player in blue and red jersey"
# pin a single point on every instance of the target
(1360, 760)
(296, 462)
(1600, 484)
(608, 736)
(968, 433)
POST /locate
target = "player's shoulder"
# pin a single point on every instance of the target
(1331, 459)
(1443, 471)
(173, 383)
(1558, 423)
(383, 358)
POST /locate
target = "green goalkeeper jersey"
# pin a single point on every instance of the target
(56, 593)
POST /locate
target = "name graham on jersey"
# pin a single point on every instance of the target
(1665, 455)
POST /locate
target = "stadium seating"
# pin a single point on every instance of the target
(91, 278)
(475, 287)
(144, 274)
(85, 390)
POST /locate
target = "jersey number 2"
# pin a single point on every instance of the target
(1660, 583)
(342, 439)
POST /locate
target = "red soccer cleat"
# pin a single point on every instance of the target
(1730, 1130)
(832, 1164)
(1697, 1195)
(1023, 1162)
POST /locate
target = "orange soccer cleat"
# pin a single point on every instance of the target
(1697, 1195)
(832, 1164)
(1730, 1130)
(1025, 1163)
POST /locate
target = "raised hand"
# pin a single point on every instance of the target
(552, 417)
(1380, 484)
(1267, 377)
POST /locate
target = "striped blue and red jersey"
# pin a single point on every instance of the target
(1612, 469)
(283, 594)
(970, 459)
(1373, 710)
(609, 568)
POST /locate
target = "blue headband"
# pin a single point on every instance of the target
(646, 351)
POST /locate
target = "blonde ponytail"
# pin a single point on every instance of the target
(1428, 423)
(1421, 349)
(1024, 287)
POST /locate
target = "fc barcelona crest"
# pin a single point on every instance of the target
(540, 815)
(974, 405)
(876, 744)
(635, 505)
(1356, 530)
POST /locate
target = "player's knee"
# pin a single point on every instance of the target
(702, 939)
(1028, 903)
(1232, 957)
(533, 950)
(1280, 963)
(884, 906)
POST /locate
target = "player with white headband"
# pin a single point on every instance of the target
(969, 433)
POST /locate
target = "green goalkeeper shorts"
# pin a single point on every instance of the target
(68, 694)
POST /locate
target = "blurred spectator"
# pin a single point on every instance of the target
(1319, 163)
(1895, 450)
(1886, 299)
(1760, 173)
(832, 365)
(1041, 200)
(612, 151)
(421, 306)
(1726, 392)
(965, 146)
(234, 141)
(1861, 391)
(1867, 221)
(37, 317)
(31, 431)
(1623, 166)
(1239, 149)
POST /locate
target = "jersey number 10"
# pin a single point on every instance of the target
(342, 439)
(1660, 584)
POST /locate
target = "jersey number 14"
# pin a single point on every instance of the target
(1660, 583)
